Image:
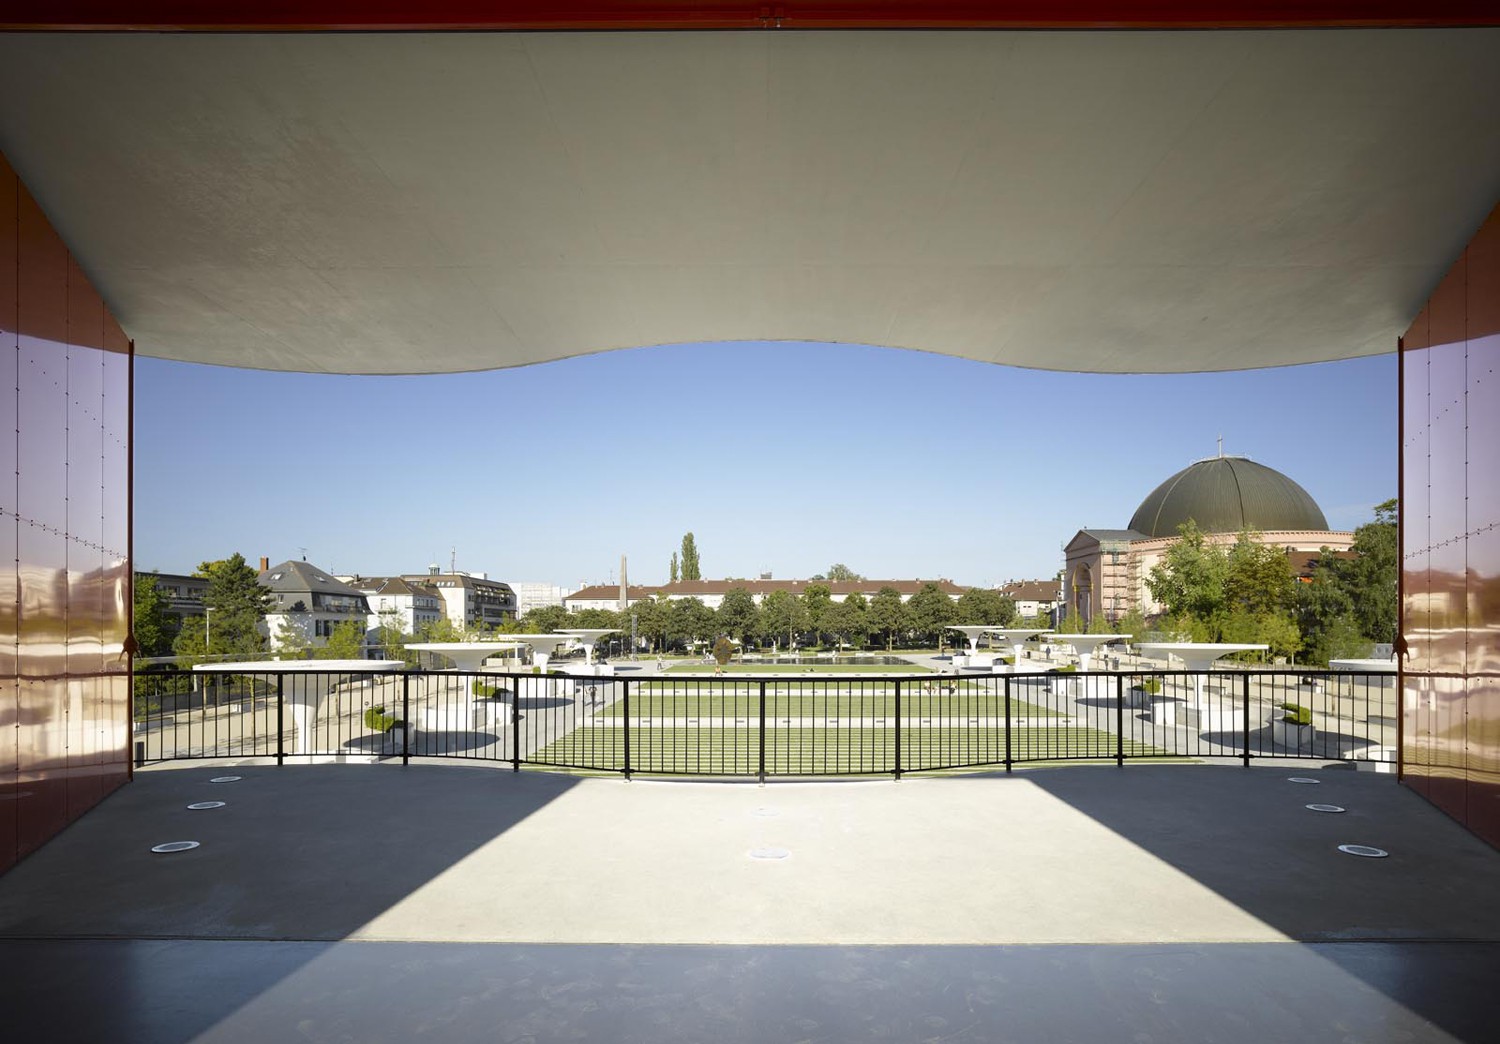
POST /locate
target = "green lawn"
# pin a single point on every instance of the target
(736, 751)
(666, 701)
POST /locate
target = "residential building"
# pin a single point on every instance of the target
(1033, 597)
(306, 599)
(470, 600)
(407, 604)
(182, 595)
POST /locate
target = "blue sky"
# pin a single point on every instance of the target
(779, 457)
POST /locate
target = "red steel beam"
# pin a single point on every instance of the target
(520, 15)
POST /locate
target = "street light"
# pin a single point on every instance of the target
(207, 648)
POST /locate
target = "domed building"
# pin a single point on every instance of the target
(1106, 569)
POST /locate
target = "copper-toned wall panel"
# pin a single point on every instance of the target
(9, 791)
(1484, 756)
(83, 740)
(1415, 529)
(64, 610)
(1451, 541)
(43, 759)
(1483, 524)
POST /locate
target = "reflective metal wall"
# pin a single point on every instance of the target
(1450, 541)
(64, 534)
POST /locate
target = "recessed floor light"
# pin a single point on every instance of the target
(1364, 850)
(226, 779)
(1324, 808)
(1301, 779)
(769, 853)
(206, 804)
(174, 846)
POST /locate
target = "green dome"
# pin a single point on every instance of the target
(1226, 495)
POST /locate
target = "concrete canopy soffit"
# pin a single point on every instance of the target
(1099, 201)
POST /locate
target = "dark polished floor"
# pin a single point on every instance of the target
(166, 992)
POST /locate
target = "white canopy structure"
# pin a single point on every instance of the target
(304, 701)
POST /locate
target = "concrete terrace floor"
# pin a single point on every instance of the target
(445, 902)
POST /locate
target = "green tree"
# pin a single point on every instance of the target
(672, 576)
(983, 605)
(237, 606)
(690, 566)
(392, 639)
(886, 615)
(1072, 623)
(691, 620)
(651, 620)
(291, 640)
(441, 630)
(782, 617)
(1257, 578)
(817, 600)
(153, 626)
(840, 573)
(595, 618)
(737, 614)
(930, 611)
(848, 621)
(1133, 623)
(546, 619)
(346, 642)
(1370, 576)
(1189, 579)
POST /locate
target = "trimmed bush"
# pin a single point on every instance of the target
(1296, 714)
(377, 720)
(1150, 686)
(484, 691)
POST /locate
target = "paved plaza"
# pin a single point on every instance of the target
(374, 902)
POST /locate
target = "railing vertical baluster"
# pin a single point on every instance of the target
(762, 770)
(405, 718)
(1007, 723)
(1245, 724)
(625, 702)
(515, 730)
(280, 720)
(1119, 719)
(898, 729)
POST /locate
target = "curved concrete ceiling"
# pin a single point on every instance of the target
(1095, 201)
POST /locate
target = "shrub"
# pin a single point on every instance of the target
(377, 720)
(484, 691)
(1296, 714)
(1150, 686)
(1067, 668)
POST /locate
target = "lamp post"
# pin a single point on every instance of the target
(207, 635)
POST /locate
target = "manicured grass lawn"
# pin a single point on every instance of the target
(802, 668)
(736, 751)
(785, 701)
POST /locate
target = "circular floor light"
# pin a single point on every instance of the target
(206, 804)
(226, 779)
(174, 846)
(1302, 779)
(1364, 850)
(1324, 808)
(769, 853)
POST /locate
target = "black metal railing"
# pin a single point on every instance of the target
(766, 726)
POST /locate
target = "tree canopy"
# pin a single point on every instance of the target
(691, 569)
(154, 627)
